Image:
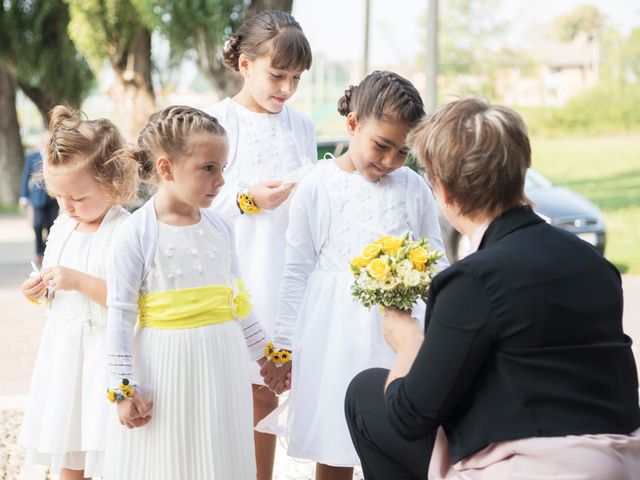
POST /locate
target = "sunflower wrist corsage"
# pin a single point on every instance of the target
(245, 202)
(278, 357)
(124, 391)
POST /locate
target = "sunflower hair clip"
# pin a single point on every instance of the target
(277, 357)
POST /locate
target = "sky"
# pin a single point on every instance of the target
(335, 28)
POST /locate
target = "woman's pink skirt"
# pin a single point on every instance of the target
(574, 457)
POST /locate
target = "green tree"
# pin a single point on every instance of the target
(198, 29)
(37, 56)
(585, 19)
(114, 31)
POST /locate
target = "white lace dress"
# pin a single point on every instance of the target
(333, 338)
(64, 425)
(266, 151)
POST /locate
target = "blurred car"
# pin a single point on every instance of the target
(558, 206)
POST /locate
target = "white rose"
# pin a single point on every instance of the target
(404, 266)
(389, 282)
(411, 279)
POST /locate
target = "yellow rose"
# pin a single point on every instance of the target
(378, 269)
(371, 251)
(418, 257)
(390, 244)
(359, 262)
(127, 391)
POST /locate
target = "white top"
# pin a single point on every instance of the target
(334, 214)
(263, 147)
(140, 248)
(71, 305)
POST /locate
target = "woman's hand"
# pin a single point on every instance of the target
(270, 195)
(278, 379)
(33, 289)
(61, 278)
(133, 412)
(400, 329)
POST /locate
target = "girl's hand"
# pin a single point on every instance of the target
(133, 412)
(61, 278)
(34, 288)
(270, 195)
(278, 379)
(401, 329)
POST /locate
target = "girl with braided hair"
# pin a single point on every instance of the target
(268, 142)
(175, 271)
(64, 423)
(344, 202)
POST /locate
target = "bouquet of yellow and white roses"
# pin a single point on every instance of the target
(394, 272)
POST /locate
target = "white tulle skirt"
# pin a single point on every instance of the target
(64, 422)
(202, 422)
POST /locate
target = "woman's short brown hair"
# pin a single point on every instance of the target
(93, 144)
(272, 33)
(480, 152)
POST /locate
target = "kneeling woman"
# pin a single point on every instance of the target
(523, 362)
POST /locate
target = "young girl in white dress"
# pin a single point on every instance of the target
(64, 424)
(268, 141)
(338, 208)
(175, 271)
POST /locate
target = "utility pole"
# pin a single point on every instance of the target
(431, 95)
(367, 19)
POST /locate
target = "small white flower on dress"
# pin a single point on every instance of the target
(194, 251)
(200, 231)
(212, 256)
(199, 268)
(178, 271)
(169, 275)
(168, 252)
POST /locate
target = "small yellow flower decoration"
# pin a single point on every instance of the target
(278, 357)
(124, 391)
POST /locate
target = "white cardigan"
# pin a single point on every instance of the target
(101, 240)
(129, 264)
(225, 112)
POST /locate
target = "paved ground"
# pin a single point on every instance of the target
(21, 324)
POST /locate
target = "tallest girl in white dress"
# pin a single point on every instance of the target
(268, 141)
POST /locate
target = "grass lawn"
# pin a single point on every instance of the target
(605, 169)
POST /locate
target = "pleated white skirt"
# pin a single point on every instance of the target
(202, 422)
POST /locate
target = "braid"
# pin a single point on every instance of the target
(167, 133)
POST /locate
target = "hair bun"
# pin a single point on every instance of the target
(344, 104)
(63, 115)
(231, 52)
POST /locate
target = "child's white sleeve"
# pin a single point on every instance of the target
(309, 217)
(125, 264)
(254, 334)
(421, 205)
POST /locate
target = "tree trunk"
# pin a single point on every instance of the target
(132, 92)
(43, 102)
(11, 150)
(224, 80)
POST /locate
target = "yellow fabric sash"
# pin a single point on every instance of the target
(193, 307)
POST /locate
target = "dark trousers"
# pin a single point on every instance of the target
(384, 454)
(43, 218)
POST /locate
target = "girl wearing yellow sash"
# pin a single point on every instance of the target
(174, 271)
